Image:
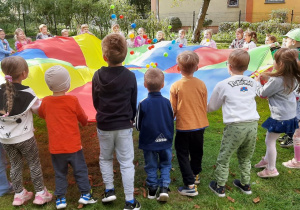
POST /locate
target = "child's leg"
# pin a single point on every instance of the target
(232, 138)
(125, 155)
(4, 183)
(296, 138)
(60, 166)
(16, 164)
(271, 152)
(182, 141)
(196, 151)
(245, 151)
(30, 151)
(151, 166)
(165, 165)
(80, 170)
(106, 142)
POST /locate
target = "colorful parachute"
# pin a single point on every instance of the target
(82, 55)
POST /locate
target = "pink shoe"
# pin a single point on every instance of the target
(21, 199)
(292, 164)
(268, 173)
(41, 199)
(261, 164)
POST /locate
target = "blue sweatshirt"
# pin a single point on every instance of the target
(155, 122)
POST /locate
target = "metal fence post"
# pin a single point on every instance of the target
(194, 14)
(240, 14)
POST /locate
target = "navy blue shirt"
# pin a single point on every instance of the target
(155, 122)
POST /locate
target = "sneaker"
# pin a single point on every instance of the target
(61, 203)
(152, 192)
(244, 188)
(197, 179)
(268, 173)
(283, 138)
(218, 190)
(87, 199)
(292, 164)
(135, 205)
(41, 199)
(287, 143)
(163, 194)
(21, 199)
(261, 164)
(109, 196)
(185, 190)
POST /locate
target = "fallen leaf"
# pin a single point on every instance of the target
(115, 171)
(196, 206)
(214, 166)
(230, 199)
(136, 191)
(231, 173)
(289, 172)
(190, 199)
(97, 185)
(80, 206)
(144, 183)
(144, 192)
(173, 169)
(173, 179)
(90, 177)
(231, 208)
(297, 191)
(136, 163)
(228, 187)
(256, 200)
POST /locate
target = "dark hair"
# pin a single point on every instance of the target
(272, 38)
(114, 48)
(154, 79)
(239, 60)
(252, 34)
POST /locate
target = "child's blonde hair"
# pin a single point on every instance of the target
(12, 67)
(64, 30)
(42, 26)
(188, 61)
(115, 25)
(114, 48)
(239, 30)
(182, 31)
(84, 26)
(162, 34)
(252, 34)
(208, 31)
(154, 79)
(17, 31)
(239, 60)
(130, 32)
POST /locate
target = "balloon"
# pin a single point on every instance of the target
(149, 48)
(133, 25)
(152, 46)
(112, 6)
(154, 66)
(170, 48)
(131, 52)
(113, 16)
(121, 16)
(154, 40)
(151, 64)
(173, 41)
(207, 40)
(166, 54)
(145, 36)
(169, 26)
(149, 41)
(131, 36)
(147, 65)
(180, 45)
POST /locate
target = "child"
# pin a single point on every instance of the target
(44, 34)
(282, 103)
(207, 41)
(130, 41)
(248, 36)
(156, 125)
(114, 91)
(272, 42)
(62, 113)
(84, 28)
(5, 49)
(236, 95)
(16, 135)
(160, 36)
(188, 97)
(181, 39)
(116, 29)
(239, 41)
(140, 40)
(65, 33)
(21, 39)
(293, 40)
(283, 45)
(5, 186)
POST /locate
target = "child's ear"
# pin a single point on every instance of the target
(105, 58)
(145, 84)
(162, 85)
(178, 68)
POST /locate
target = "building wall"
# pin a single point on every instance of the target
(218, 10)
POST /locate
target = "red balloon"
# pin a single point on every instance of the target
(152, 46)
(149, 48)
(156, 64)
(180, 45)
(131, 52)
(149, 41)
(121, 16)
(145, 36)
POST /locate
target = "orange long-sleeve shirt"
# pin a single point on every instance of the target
(188, 98)
(62, 114)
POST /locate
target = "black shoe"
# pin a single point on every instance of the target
(218, 190)
(287, 143)
(109, 196)
(244, 188)
(135, 206)
(163, 194)
(152, 192)
(283, 138)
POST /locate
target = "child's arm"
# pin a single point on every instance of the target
(81, 116)
(185, 42)
(269, 89)
(213, 44)
(41, 111)
(6, 52)
(232, 44)
(134, 99)
(173, 100)
(216, 100)
(139, 117)
(35, 107)
(94, 91)
(136, 44)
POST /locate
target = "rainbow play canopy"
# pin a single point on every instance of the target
(82, 55)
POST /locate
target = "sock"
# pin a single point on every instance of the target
(191, 186)
(41, 192)
(131, 201)
(21, 193)
(106, 190)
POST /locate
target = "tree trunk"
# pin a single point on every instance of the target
(200, 20)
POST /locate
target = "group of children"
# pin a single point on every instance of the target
(114, 94)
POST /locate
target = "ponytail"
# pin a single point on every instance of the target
(9, 96)
(254, 36)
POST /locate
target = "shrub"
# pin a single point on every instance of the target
(175, 22)
(280, 15)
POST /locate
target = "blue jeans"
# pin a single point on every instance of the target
(155, 160)
(5, 186)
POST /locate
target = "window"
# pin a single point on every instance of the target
(274, 1)
(233, 3)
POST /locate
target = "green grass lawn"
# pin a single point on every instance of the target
(281, 192)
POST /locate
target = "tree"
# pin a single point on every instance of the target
(143, 6)
(200, 21)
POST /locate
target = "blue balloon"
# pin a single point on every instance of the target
(113, 16)
(133, 25)
(173, 41)
(154, 40)
(170, 48)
